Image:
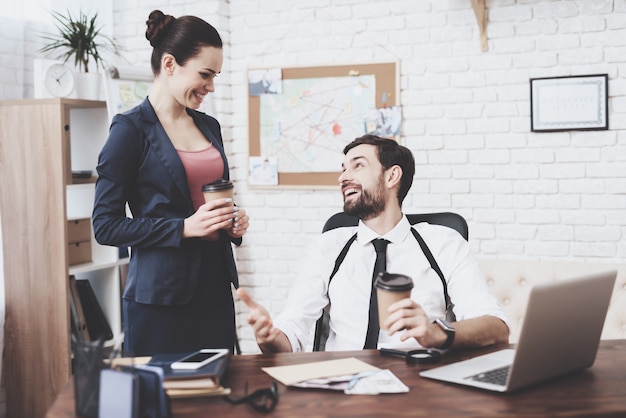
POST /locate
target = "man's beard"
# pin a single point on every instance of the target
(368, 205)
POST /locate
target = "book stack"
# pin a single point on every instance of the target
(205, 381)
(193, 387)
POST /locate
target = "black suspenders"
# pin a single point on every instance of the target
(433, 264)
(322, 327)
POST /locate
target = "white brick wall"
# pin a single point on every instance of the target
(466, 118)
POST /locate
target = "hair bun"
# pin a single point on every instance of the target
(157, 25)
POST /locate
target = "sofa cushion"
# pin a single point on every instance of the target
(511, 281)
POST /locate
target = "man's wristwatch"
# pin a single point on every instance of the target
(448, 329)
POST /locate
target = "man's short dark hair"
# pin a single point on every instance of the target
(390, 153)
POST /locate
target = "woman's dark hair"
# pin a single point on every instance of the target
(182, 37)
(390, 153)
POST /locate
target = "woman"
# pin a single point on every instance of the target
(157, 156)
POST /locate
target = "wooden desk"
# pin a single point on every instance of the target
(597, 391)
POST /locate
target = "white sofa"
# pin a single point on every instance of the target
(511, 281)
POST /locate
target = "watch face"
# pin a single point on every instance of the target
(59, 80)
(445, 325)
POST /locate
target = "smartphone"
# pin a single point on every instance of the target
(199, 359)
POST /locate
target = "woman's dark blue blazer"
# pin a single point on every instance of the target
(138, 165)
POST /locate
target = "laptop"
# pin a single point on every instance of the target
(560, 334)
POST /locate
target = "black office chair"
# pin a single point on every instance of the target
(341, 219)
(449, 219)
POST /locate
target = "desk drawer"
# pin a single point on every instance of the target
(79, 252)
(78, 230)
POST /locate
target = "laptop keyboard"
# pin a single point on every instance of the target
(496, 376)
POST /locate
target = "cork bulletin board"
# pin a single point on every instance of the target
(313, 115)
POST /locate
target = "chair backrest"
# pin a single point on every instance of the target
(341, 219)
(449, 219)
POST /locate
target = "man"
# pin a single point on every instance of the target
(376, 176)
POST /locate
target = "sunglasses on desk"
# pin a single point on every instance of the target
(261, 400)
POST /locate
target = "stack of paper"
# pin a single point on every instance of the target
(350, 375)
(191, 387)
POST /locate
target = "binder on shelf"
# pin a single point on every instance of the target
(97, 323)
(79, 323)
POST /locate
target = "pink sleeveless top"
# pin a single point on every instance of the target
(201, 167)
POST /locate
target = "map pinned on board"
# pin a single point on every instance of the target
(320, 110)
(307, 126)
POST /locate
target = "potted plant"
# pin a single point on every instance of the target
(79, 39)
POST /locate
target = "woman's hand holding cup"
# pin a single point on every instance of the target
(220, 195)
(211, 217)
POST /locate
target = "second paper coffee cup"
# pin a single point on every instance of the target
(219, 189)
(390, 288)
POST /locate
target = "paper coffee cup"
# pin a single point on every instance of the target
(391, 288)
(219, 189)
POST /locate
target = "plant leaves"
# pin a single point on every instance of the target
(77, 40)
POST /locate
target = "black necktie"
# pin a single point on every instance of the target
(371, 339)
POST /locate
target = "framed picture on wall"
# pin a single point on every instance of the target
(569, 103)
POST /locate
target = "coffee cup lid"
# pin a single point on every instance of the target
(393, 282)
(217, 186)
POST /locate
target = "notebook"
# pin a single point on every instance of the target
(560, 334)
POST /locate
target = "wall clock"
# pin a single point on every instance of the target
(59, 80)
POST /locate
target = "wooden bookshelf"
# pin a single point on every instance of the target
(42, 141)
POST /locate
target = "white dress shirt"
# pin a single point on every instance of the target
(350, 288)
